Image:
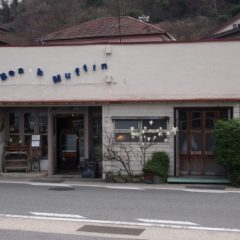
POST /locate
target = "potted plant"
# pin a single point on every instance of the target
(156, 169)
(148, 175)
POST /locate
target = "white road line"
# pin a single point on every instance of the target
(49, 184)
(13, 182)
(124, 188)
(57, 215)
(124, 223)
(167, 222)
(204, 191)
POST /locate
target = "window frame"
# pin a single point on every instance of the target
(140, 121)
(22, 135)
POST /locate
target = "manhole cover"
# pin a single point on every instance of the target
(207, 187)
(111, 230)
(61, 189)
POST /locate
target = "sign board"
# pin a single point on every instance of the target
(35, 141)
(89, 169)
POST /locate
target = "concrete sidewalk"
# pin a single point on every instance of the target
(66, 228)
(77, 181)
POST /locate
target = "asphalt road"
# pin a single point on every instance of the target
(216, 210)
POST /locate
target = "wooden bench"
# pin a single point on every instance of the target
(16, 158)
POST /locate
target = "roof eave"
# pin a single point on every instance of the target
(107, 36)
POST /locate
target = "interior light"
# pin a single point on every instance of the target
(120, 138)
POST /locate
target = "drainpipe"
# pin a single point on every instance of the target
(50, 143)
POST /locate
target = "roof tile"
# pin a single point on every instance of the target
(106, 27)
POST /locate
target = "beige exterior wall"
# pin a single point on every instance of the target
(140, 71)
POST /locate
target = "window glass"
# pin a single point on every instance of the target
(196, 142)
(96, 134)
(224, 114)
(125, 137)
(153, 137)
(154, 124)
(183, 120)
(14, 122)
(126, 124)
(14, 139)
(28, 140)
(123, 129)
(183, 142)
(209, 142)
(44, 145)
(196, 120)
(210, 119)
(43, 123)
(29, 122)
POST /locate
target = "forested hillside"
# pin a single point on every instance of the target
(185, 19)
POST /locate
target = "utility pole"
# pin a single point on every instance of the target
(119, 20)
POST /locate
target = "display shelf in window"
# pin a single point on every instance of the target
(16, 158)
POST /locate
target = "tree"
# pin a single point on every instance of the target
(5, 11)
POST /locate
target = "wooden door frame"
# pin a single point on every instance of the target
(176, 121)
(61, 113)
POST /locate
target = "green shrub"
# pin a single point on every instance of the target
(235, 178)
(227, 143)
(158, 165)
(227, 147)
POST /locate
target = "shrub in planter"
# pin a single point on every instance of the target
(147, 175)
(157, 166)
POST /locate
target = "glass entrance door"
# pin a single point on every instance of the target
(196, 141)
(70, 143)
